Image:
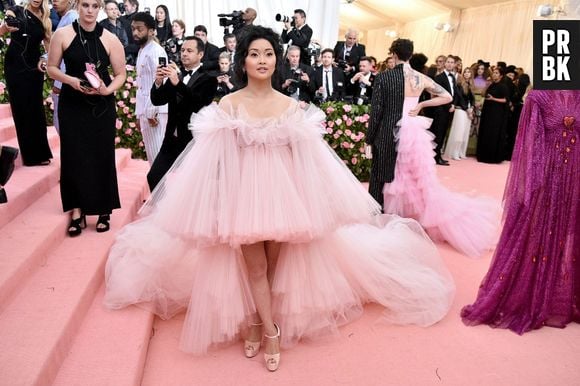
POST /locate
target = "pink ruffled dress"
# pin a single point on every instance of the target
(469, 224)
(245, 180)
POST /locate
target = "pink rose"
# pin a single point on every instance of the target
(130, 79)
(117, 140)
(329, 110)
(353, 160)
(345, 145)
(336, 136)
(118, 124)
(339, 132)
(330, 123)
(347, 108)
(125, 94)
(141, 144)
(121, 104)
(128, 86)
(361, 149)
(349, 122)
(132, 125)
(132, 100)
(348, 132)
(366, 124)
(125, 110)
(329, 130)
(128, 131)
(338, 121)
(344, 117)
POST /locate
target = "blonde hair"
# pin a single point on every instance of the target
(466, 85)
(45, 18)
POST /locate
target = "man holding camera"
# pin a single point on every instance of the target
(298, 33)
(296, 77)
(112, 22)
(328, 81)
(361, 84)
(347, 54)
(185, 92)
(152, 119)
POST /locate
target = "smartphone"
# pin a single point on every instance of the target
(162, 61)
(12, 21)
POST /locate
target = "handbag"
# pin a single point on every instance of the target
(92, 76)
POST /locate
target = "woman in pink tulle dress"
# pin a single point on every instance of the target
(258, 222)
(469, 224)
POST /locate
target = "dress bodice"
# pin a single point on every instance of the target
(409, 103)
(24, 49)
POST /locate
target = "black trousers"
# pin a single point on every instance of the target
(439, 128)
(170, 150)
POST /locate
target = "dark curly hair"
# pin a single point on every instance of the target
(403, 48)
(251, 33)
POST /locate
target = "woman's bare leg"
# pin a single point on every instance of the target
(257, 266)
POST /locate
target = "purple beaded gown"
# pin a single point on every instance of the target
(534, 277)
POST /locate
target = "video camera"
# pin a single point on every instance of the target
(285, 19)
(233, 19)
(121, 6)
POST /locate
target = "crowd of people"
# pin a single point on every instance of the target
(248, 203)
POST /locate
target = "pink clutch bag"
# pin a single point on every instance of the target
(92, 75)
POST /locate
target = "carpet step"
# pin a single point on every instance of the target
(114, 340)
(39, 324)
(7, 129)
(28, 184)
(53, 142)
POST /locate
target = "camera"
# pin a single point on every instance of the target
(162, 61)
(11, 21)
(233, 19)
(172, 49)
(121, 7)
(285, 19)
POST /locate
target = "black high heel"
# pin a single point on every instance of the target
(103, 220)
(77, 225)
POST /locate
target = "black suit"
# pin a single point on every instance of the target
(301, 38)
(211, 56)
(132, 48)
(305, 93)
(356, 89)
(183, 100)
(386, 112)
(338, 82)
(442, 116)
(353, 57)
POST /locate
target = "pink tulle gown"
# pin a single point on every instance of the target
(246, 180)
(469, 224)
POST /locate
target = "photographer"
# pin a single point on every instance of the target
(112, 22)
(361, 84)
(296, 77)
(298, 33)
(347, 54)
(230, 43)
(211, 53)
(131, 7)
(173, 45)
(225, 76)
(327, 81)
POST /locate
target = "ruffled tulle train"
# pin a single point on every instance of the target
(469, 224)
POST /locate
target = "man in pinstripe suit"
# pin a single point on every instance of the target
(152, 119)
(386, 112)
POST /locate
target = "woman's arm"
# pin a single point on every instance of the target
(439, 96)
(55, 52)
(117, 59)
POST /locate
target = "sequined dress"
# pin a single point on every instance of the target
(534, 277)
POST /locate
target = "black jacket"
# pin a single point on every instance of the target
(355, 90)
(356, 52)
(305, 93)
(184, 99)
(338, 82)
(211, 56)
(301, 38)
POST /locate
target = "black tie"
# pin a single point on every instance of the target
(187, 72)
(452, 83)
(327, 84)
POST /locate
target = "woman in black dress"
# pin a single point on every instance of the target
(87, 115)
(25, 77)
(491, 141)
(164, 28)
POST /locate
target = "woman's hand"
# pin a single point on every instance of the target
(416, 110)
(103, 89)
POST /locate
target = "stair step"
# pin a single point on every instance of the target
(5, 110)
(53, 142)
(38, 326)
(7, 129)
(114, 340)
(28, 184)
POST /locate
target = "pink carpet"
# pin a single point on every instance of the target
(54, 331)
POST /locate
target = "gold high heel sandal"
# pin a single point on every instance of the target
(251, 349)
(273, 360)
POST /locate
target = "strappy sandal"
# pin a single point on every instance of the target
(103, 220)
(77, 225)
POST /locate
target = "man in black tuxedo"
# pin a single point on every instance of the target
(443, 113)
(211, 54)
(298, 35)
(186, 92)
(348, 53)
(296, 77)
(360, 86)
(327, 81)
(132, 48)
(230, 43)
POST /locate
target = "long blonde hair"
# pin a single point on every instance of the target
(45, 17)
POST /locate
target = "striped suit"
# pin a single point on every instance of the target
(146, 66)
(386, 112)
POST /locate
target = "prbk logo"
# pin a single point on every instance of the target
(557, 54)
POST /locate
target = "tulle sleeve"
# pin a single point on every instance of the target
(527, 170)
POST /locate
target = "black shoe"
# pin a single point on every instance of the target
(77, 225)
(7, 157)
(3, 197)
(103, 220)
(442, 162)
